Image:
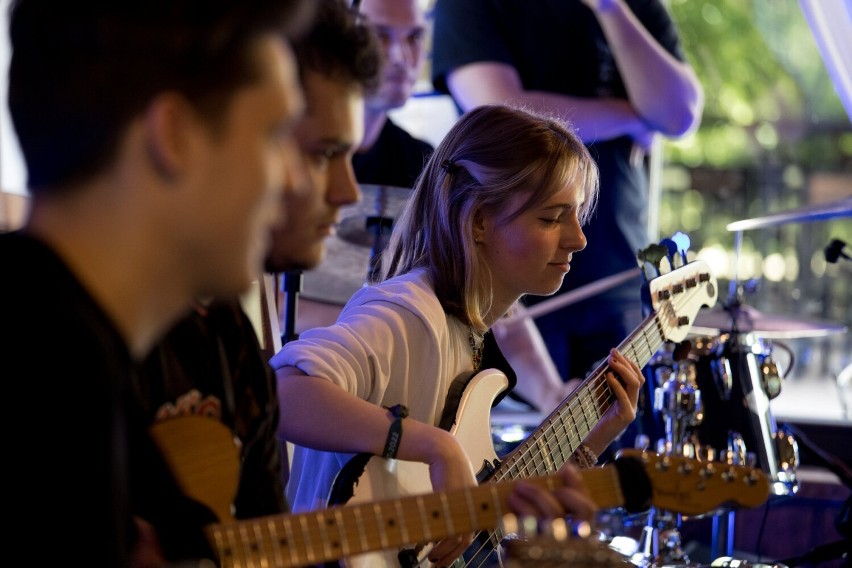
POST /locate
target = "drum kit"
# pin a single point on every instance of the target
(712, 394)
(712, 391)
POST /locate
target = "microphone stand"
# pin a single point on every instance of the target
(291, 285)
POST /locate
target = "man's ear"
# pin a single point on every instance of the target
(170, 124)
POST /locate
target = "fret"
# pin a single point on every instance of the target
(542, 453)
(259, 543)
(572, 409)
(340, 523)
(546, 461)
(291, 539)
(233, 543)
(245, 546)
(422, 508)
(521, 463)
(471, 506)
(324, 523)
(359, 524)
(587, 425)
(566, 435)
(400, 515)
(214, 535)
(448, 516)
(383, 537)
(275, 543)
(306, 534)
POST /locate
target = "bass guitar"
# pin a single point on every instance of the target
(205, 460)
(676, 297)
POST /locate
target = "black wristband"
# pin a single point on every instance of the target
(398, 412)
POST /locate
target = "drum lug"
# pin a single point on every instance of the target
(770, 377)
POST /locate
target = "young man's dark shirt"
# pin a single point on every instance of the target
(79, 446)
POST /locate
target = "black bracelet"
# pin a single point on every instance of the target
(398, 412)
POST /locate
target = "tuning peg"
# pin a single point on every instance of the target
(653, 254)
(671, 250)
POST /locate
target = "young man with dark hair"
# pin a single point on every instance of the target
(155, 136)
(213, 363)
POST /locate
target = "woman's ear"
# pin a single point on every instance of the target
(478, 227)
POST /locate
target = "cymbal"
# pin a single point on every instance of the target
(363, 226)
(818, 212)
(749, 320)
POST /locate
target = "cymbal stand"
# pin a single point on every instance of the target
(680, 400)
(735, 289)
(291, 285)
(382, 227)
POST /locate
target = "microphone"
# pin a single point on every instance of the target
(834, 250)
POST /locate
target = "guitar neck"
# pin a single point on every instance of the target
(339, 532)
(547, 448)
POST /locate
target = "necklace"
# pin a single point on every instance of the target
(476, 347)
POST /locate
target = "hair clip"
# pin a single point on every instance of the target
(449, 166)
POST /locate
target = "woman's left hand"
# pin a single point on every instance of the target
(625, 379)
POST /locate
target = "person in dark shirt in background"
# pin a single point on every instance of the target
(389, 155)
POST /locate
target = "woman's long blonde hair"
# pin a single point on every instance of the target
(489, 156)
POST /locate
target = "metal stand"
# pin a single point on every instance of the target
(679, 399)
(722, 538)
(291, 285)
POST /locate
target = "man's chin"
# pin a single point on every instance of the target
(391, 99)
(290, 263)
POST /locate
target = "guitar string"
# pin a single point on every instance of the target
(602, 395)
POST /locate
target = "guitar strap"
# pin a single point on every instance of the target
(492, 358)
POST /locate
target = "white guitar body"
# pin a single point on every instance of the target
(676, 298)
(395, 478)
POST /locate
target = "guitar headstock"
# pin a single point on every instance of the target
(692, 487)
(677, 296)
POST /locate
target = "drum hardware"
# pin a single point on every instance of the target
(352, 252)
(730, 562)
(744, 319)
(843, 380)
(817, 212)
(660, 542)
(738, 422)
(291, 287)
(834, 251)
(720, 366)
(679, 399)
(735, 453)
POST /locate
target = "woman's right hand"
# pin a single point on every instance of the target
(449, 468)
